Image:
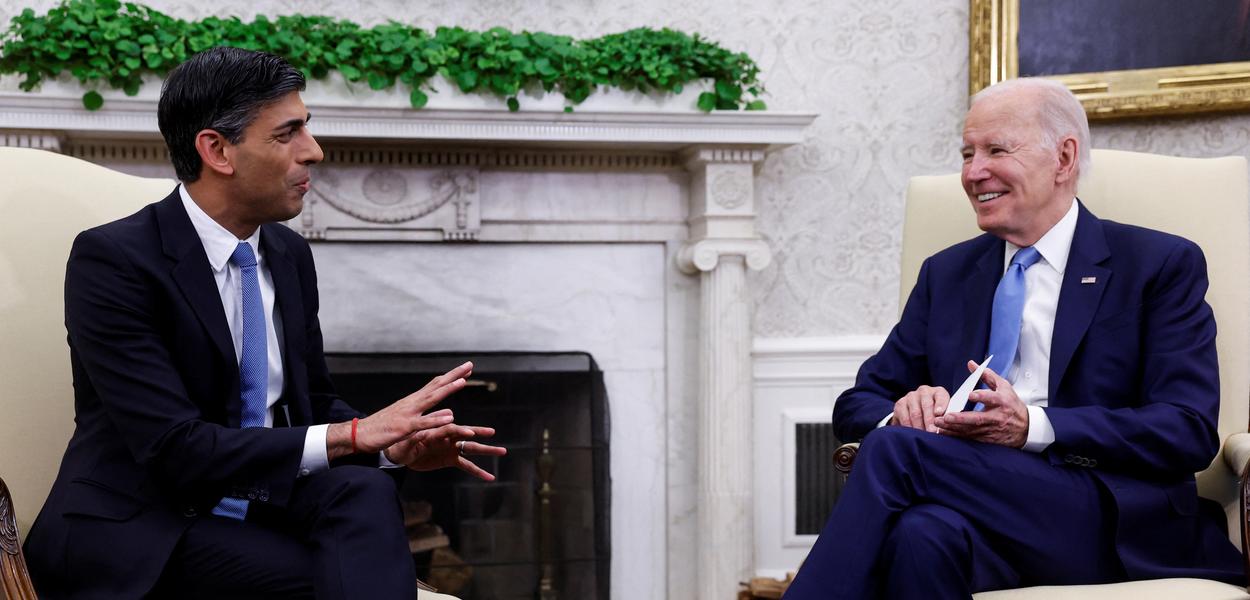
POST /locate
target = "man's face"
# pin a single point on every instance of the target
(271, 163)
(1009, 174)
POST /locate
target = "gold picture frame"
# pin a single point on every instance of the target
(993, 56)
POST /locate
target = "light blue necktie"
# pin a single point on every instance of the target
(1007, 312)
(253, 362)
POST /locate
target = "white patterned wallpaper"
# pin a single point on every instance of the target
(888, 78)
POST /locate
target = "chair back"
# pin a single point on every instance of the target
(1206, 200)
(46, 199)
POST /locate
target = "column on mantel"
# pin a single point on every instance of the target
(723, 244)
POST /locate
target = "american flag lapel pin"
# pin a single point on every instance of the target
(1089, 279)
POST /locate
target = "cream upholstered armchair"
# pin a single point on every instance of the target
(46, 199)
(1205, 200)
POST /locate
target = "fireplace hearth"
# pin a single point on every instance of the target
(541, 530)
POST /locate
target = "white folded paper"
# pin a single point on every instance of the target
(959, 400)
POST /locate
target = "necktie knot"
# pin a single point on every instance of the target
(243, 257)
(1026, 257)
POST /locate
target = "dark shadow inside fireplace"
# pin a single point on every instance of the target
(541, 530)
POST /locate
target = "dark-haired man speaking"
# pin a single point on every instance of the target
(211, 456)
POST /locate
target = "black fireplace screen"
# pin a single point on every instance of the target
(541, 530)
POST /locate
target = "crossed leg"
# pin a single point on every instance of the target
(931, 516)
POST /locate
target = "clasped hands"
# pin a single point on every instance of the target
(416, 439)
(1004, 421)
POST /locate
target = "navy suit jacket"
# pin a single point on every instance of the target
(1134, 381)
(156, 400)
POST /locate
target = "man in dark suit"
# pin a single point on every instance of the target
(1099, 406)
(211, 456)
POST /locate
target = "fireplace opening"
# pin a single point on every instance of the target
(541, 529)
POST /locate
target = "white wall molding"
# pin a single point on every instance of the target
(57, 106)
(796, 380)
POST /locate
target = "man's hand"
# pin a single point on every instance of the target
(431, 449)
(401, 419)
(919, 408)
(1005, 420)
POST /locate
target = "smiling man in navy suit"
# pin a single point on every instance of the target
(1098, 407)
(211, 457)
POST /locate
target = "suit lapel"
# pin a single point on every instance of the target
(286, 289)
(1078, 301)
(194, 277)
(978, 290)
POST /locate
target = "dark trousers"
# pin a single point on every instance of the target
(341, 536)
(935, 517)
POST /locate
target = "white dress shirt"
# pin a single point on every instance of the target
(1030, 370)
(219, 244)
(1029, 373)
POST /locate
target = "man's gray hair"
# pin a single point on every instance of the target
(1060, 114)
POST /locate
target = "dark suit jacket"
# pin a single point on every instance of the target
(156, 400)
(1134, 382)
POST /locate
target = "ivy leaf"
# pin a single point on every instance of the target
(418, 98)
(92, 100)
(544, 68)
(707, 101)
(128, 47)
(467, 80)
(727, 91)
(756, 105)
(513, 104)
(350, 73)
(378, 81)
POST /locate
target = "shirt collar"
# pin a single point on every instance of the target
(218, 242)
(1055, 245)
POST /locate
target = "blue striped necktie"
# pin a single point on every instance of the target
(253, 362)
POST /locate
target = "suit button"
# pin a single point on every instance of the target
(1093, 462)
(190, 512)
(263, 496)
(1069, 459)
(251, 495)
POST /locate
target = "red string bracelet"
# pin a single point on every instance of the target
(354, 421)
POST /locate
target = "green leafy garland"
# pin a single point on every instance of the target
(107, 41)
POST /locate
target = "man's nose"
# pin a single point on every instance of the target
(974, 169)
(312, 153)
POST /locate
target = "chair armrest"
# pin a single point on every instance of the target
(844, 458)
(1237, 457)
(14, 578)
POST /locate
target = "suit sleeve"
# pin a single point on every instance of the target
(112, 316)
(1168, 427)
(899, 367)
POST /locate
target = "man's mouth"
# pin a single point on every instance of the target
(304, 185)
(986, 197)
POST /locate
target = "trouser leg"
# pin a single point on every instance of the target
(934, 552)
(1050, 523)
(341, 536)
(355, 531)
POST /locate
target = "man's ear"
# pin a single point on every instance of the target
(1069, 154)
(215, 152)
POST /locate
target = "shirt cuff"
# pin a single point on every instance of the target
(1041, 432)
(385, 462)
(885, 421)
(315, 458)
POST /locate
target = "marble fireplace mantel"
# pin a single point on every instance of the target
(706, 224)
